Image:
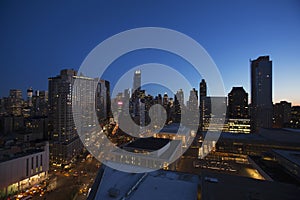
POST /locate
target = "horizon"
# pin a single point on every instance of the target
(153, 92)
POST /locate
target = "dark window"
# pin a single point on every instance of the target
(41, 160)
(31, 162)
(27, 166)
(36, 161)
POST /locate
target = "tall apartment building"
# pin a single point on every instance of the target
(261, 93)
(89, 95)
(65, 143)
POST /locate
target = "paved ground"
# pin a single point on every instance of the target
(73, 183)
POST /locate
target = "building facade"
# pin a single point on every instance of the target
(203, 94)
(89, 98)
(21, 171)
(282, 114)
(238, 104)
(15, 102)
(65, 143)
(261, 93)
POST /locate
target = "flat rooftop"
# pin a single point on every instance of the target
(230, 187)
(171, 128)
(281, 135)
(163, 185)
(292, 156)
(287, 137)
(151, 144)
(12, 156)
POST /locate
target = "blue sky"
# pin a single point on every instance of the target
(39, 38)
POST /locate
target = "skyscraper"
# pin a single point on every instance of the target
(238, 103)
(193, 107)
(203, 89)
(65, 143)
(101, 102)
(193, 98)
(62, 129)
(39, 103)
(261, 93)
(180, 97)
(29, 96)
(136, 92)
(137, 80)
(15, 102)
(108, 102)
(203, 94)
(165, 101)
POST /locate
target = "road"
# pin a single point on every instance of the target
(73, 183)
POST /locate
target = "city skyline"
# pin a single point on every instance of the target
(150, 99)
(152, 90)
(267, 32)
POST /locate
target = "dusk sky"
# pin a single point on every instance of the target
(39, 38)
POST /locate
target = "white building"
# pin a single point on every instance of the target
(23, 170)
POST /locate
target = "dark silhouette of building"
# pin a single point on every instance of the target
(261, 93)
(238, 103)
(40, 103)
(203, 88)
(165, 101)
(103, 105)
(203, 94)
(295, 117)
(108, 100)
(167, 104)
(282, 114)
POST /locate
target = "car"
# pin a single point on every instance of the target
(27, 197)
(195, 164)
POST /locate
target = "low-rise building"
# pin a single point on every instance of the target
(21, 170)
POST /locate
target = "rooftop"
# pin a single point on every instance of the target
(171, 128)
(151, 144)
(147, 186)
(11, 156)
(292, 156)
(281, 135)
(235, 187)
(289, 137)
